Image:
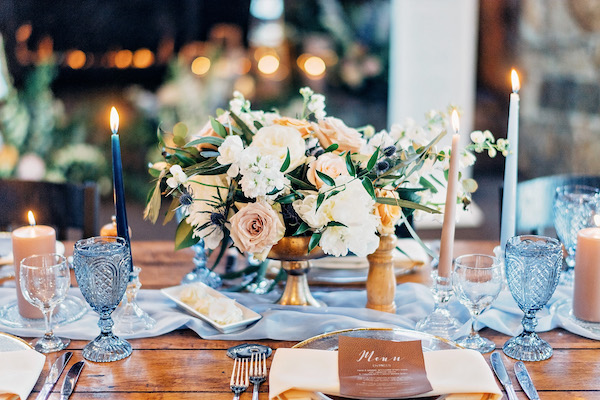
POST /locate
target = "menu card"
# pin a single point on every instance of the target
(372, 368)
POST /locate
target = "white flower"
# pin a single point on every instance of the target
(316, 105)
(381, 139)
(229, 153)
(306, 209)
(492, 152)
(178, 177)
(306, 92)
(477, 137)
(338, 240)
(276, 140)
(467, 159)
(488, 136)
(260, 173)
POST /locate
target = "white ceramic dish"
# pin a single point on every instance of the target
(249, 316)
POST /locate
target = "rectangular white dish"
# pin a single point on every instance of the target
(249, 316)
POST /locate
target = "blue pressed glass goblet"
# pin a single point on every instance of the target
(102, 268)
(574, 209)
(533, 265)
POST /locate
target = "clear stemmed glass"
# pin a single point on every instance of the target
(102, 268)
(45, 280)
(477, 281)
(533, 265)
(574, 209)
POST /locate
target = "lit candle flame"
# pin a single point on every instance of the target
(114, 121)
(514, 77)
(455, 121)
(597, 219)
(31, 218)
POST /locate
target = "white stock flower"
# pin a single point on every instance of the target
(229, 153)
(477, 137)
(316, 105)
(178, 177)
(276, 140)
(467, 159)
(260, 173)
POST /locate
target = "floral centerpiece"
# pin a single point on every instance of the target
(251, 177)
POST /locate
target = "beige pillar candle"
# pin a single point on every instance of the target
(27, 241)
(447, 240)
(586, 289)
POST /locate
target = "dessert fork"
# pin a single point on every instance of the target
(239, 377)
(258, 372)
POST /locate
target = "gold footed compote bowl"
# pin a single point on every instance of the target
(292, 251)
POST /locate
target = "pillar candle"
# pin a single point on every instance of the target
(509, 195)
(27, 241)
(447, 240)
(586, 289)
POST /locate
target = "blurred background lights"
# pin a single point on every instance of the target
(76, 59)
(23, 33)
(266, 9)
(123, 59)
(268, 64)
(314, 66)
(200, 65)
(143, 58)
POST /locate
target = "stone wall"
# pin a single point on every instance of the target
(559, 64)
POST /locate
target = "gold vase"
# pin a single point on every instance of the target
(292, 251)
(381, 280)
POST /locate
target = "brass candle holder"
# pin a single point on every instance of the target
(292, 251)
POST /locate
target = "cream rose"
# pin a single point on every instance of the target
(331, 130)
(387, 213)
(256, 228)
(275, 140)
(329, 164)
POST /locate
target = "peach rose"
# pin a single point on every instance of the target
(207, 130)
(328, 163)
(331, 130)
(304, 127)
(256, 228)
(388, 214)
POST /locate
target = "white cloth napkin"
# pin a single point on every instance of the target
(299, 373)
(19, 371)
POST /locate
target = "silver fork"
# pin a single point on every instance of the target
(239, 377)
(258, 372)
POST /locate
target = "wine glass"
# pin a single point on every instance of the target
(574, 209)
(102, 268)
(533, 265)
(477, 281)
(44, 281)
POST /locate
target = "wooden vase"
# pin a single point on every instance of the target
(381, 280)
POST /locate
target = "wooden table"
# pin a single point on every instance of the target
(180, 365)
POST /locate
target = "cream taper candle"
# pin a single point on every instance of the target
(447, 240)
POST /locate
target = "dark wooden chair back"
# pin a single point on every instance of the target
(535, 200)
(60, 205)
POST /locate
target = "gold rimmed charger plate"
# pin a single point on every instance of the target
(329, 341)
(12, 343)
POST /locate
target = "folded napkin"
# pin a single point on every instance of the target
(19, 371)
(461, 374)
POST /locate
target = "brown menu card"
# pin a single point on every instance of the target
(372, 368)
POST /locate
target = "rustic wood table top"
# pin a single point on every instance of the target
(181, 365)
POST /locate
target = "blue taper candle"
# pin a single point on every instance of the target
(119, 192)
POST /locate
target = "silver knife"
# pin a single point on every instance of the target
(55, 370)
(71, 380)
(502, 375)
(525, 381)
